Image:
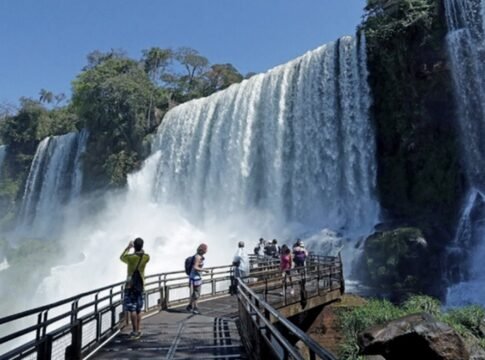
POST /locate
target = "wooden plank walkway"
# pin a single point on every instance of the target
(177, 334)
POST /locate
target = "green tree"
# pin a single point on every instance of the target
(112, 99)
(20, 131)
(188, 84)
(46, 96)
(156, 61)
(220, 77)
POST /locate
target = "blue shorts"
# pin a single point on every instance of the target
(133, 301)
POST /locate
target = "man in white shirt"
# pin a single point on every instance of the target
(241, 261)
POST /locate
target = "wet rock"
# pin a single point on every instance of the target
(396, 260)
(417, 336)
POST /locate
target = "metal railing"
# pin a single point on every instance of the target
(74, 327)
(258, 316)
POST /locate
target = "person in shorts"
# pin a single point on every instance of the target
(133, 297)
(195, 278)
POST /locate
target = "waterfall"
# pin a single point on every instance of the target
(55, 178)
(3, 151)
(466, 47)
(287, 152)
(295, 143)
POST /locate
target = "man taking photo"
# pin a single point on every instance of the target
(135, 283)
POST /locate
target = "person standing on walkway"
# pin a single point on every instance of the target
(241, 261)
(286, 262)
(259, 249)
(133, 299)
(195, 278)
(299, 253)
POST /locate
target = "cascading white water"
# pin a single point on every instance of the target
(466, 47)
(282, 153)
(295, 143)
(55, 178)
(466, 254)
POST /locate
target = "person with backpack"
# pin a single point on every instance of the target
(275, 249)
(299, 253)
(195, 277)
(133, 297)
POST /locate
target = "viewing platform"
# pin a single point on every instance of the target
(245, 318)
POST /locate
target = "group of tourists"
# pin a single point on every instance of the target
(133, 297)
(271, 249)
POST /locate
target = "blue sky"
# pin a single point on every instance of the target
(44, 43)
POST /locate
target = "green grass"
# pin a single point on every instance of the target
(466, 321)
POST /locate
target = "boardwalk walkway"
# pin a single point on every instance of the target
(88, 325)
(177, 334)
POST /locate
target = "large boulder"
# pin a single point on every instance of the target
(417, 336)
(396, 260)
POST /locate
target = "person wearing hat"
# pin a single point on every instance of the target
(299, 253)
(241, 261)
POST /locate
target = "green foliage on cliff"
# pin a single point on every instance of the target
(396, 260)
(113, 100)
(120, 101)
(467, 321)
(22, 132)
(419, 175)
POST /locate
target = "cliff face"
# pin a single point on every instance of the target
(420, 179)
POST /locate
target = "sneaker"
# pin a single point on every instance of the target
(195, 311)
(137, 335)
(189, 308)
(133, 335)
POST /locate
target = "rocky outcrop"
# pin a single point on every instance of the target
(396, 260)
(417, 336)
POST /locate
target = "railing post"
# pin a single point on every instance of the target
(165, 299)
(39, 322)
(74, 306)
(98, 317)
(312, 354)
(266, 289)
(213, 283)
(45, 348)
(342, 280)
(74, 350)
(114, 323)
(318, 278)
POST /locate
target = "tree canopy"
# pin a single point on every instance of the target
(119, 100)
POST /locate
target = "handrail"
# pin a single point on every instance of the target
(101, 302)
(103, 309)
(255, 313)
(314, 347)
